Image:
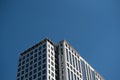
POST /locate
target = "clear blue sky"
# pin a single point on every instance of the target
(92, 27)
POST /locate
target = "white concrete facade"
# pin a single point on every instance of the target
(47, 61)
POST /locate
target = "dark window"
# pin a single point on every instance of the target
(26, 70)
(31, 68)
(35, 50)
(23, 62)
(67, 55)
(23, 57)
(31, 53)
(35, 70)
(44, 60)
(30, 78)
(34, 76)
(44, 45)
(22, 67)
(70, 58)
(44, 55)
(73, 60)
(26, 75)
(27, 60)
(39, 78)
(22, 77)
(27, 55)
(39, 68)
(39, 58)
(44, 50)
(68, 72)
(39, 53)
(19, 69)
(35, 65)
(19, 59)
(30, 73)
(40, 48)
(39, 74)
(31, 57)
(19, 64)
(18, 74)
(35, 55)
(39, 63)
(44, 77)
(44, 65)
(31, 62)
(27, 65)
(35, 60)
(44, 71)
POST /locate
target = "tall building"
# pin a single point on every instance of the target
(48, 61)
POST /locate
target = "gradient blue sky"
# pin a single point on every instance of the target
(92, 27)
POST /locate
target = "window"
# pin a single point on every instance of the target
(44, 60)
(31, 68)
(74, 77)
(31, 62)
(27, 60)
(39, 74)
(44, 65)
(44, 71)
(52, 63)
(18, 74)
(44, 45)
(19, 69)
(39, 63)
(51, 57)
(39, 53)
(30, 78)
(39, 68)
(39, 78)
(35, 70)
(23, 57)
(76, 63)
(73, 60)
(35, 50)
(44, 50)
(71, 75)
(27, 55)
(19, 64)
(79, 65)
(52, 74)
(26, 75)
(44, 55)
(67, 55)
(27, 65)
(52, 68)
(31, 57)
(35, 65)
(23, 62)
(31, 53)
(35, 55)
(39, 58)
(26, 70)
(30, 73)
(68, 74)
(44, 77)
(22, 67)
(34, 76)
(70, 58)
(35, 60)
(40, 48)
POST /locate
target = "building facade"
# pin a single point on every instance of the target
(47, 61)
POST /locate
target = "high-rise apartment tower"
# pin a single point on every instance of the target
(48, 61)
